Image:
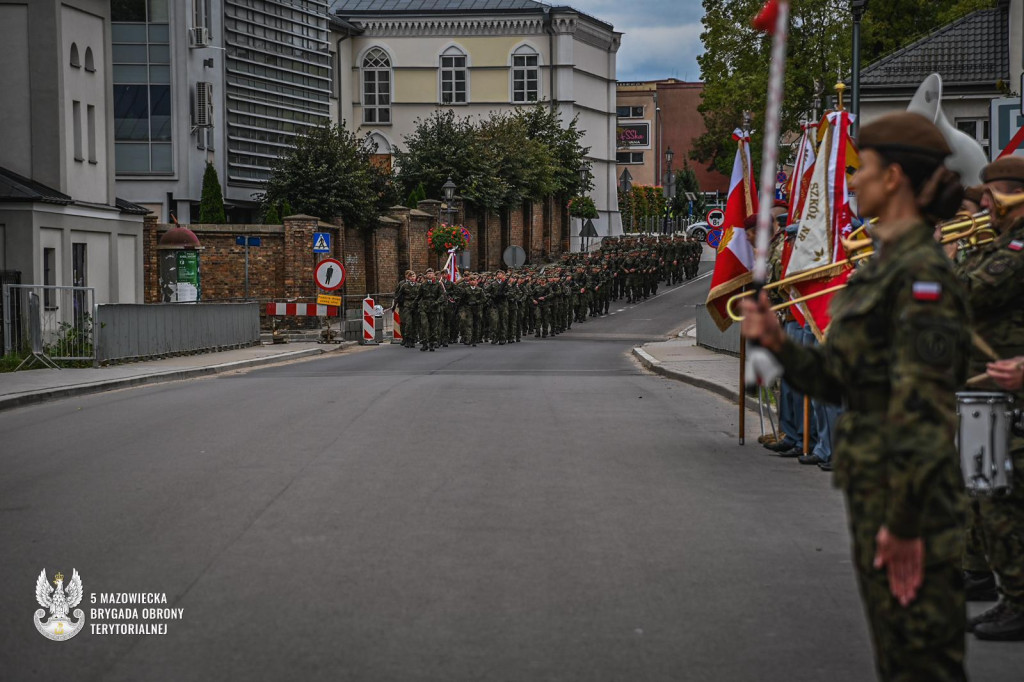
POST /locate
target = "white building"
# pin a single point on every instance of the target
(60, 222)
(400, 60)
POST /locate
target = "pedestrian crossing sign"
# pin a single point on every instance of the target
(321, 242)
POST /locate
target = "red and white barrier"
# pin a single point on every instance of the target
(396, 327)
(369, 331)
(302, 310)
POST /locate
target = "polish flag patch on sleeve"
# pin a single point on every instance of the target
(1015, 245)
(927, 291)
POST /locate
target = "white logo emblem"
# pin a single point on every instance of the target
(59, 600)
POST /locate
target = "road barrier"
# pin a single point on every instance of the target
(50, 322)
(709, 336)
(396, 327)
(369, 326)
(301, 310)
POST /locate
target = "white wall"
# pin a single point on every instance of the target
(50, 239)
(97, 269)
(127, 268)
(86, 180)
(15, 136)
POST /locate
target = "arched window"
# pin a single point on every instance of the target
(525, 75)
(454, 77)
(75, 61)
(376, 87)
(89, 64)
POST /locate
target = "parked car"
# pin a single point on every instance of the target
(699, 230)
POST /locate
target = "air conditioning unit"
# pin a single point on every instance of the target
(204, 105)
(199, 36)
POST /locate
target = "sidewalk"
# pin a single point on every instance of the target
(40, 385)
(683, 360)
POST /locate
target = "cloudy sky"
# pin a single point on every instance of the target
(662, 37)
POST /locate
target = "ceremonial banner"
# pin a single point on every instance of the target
(824, 222)
(801, 177)
(735, 254)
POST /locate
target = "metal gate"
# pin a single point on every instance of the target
(50, 323)
(6, 277)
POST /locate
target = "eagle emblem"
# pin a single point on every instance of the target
(59, 600)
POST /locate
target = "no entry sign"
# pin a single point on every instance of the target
(714, 238)
(330, 274)
(716, 218)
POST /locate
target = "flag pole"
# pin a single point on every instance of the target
(743, 389)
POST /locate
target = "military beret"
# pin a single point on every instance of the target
(1006, 168)
(751, 222)
(779, 203)
(430, 271)
(904, 131)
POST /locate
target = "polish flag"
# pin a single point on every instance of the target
(824, 221)
(735, 254)
(801, 173)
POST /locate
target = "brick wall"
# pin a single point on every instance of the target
(494, 245)
(385, 255)
(536, 247)
(355, 262)
(419, 255)
(150, 261)
(517, 218)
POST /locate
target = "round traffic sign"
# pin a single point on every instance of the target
(716, 218)
(781, 178)
(330, 274)
(514, 256)
(714, 238)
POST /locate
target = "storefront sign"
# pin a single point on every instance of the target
(634, 135)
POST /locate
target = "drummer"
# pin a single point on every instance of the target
(995, 285)
(895, 353)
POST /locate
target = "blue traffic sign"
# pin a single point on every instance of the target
(252, 241)
(781, 178)
(321, 242)
(714, 238)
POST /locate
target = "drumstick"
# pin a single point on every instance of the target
(983, 346)
(977, 380)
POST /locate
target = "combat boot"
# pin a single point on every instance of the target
(992, 615)
(1007, 626)
(980, 586)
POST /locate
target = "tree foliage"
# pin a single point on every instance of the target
(686, 181)
(329, 173)
(498, 161)
(734, 66)
(211, 204)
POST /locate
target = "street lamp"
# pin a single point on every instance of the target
(858, 7)
(669, 194)
(448, 188)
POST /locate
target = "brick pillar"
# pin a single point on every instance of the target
(355, 262)
(403, 215)
(431, 206)
(419, 254)
(298, 256)
(565, 231)
(517, 222)
(150, 261)
(536, 245)
(385, 257)
(493, 236)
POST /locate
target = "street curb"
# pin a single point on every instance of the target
(47, 395)
(658, 367)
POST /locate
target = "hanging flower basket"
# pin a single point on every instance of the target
(443, 238)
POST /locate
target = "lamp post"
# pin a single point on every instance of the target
(448, 188)
(626, 184)
(669, 188)
(858, 7)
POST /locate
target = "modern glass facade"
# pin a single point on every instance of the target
(142, 87)
(278, 79)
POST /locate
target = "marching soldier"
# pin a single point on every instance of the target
(471, 304)
(406, 298)
(895, 353)
(432, 297)
(994, 278)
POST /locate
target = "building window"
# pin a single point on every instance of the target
(376, 87)
(454, 77)
(200, 14)
(978, 129)
(49, 276)
(79, 276)
(90, 63)
(75, 61)
(76, 133)
(142, 91)
(629, 112)
(629, 158)
(90, 130)
(525, 75)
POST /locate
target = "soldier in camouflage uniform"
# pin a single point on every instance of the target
(995, 282)
(497, 293)
(471, 309)
(406, 298)
(431, 298)
(895, 353)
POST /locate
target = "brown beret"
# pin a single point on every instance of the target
(974, 194)
(904, 131)
(1006, 168)
(750, 222)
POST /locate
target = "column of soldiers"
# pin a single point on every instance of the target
(502, 308)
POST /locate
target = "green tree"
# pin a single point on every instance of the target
(286, 209)
(416, 196)
(442, 146)
(272, 217)
(211, 205)
(544, 124)
(328, 173)
(686, 181)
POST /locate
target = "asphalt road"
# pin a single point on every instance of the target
(542, 511)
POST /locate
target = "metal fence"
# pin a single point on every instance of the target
(50, 323)
(709, 336)
(136, 332)
(6, 277)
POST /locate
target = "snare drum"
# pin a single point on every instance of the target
(984, 442)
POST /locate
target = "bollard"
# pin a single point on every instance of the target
(396, 328)
(369, 329)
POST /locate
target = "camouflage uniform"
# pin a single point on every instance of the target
(895, 361)
(995, 284)
(430, 301)
(407, 297)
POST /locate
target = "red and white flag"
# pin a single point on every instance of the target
(735, 254)
(824, 222)
(801, 173)
(451, 268)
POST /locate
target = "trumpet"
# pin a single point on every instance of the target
(976, 229)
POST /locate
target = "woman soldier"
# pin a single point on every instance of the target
(895, 354)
